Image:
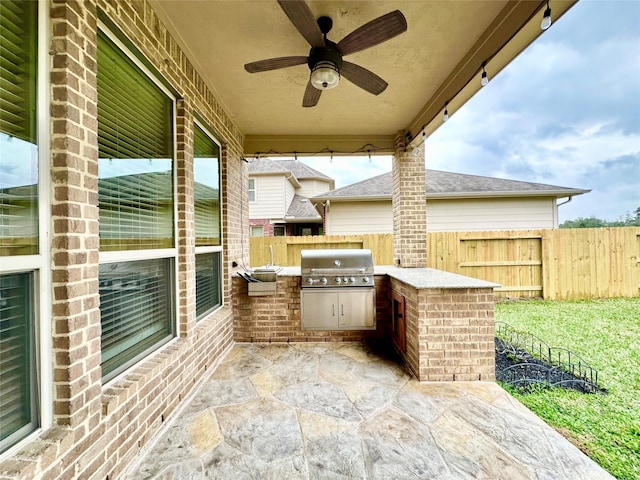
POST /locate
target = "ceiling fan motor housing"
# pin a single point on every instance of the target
(325, 64)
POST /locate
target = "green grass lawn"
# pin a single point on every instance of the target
(605, 333)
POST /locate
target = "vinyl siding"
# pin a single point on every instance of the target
(347, 218)
(359, 217)
(270, 197)
(491, 214)
(289, 192)
(311, 188)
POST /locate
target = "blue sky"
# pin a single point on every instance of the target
(565, 112)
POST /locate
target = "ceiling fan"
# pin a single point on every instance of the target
(325, 57)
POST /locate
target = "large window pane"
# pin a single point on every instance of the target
(135, 145)
(206, 167)
(136, 308)
(208, 285)
(18, 150)
(17, 365)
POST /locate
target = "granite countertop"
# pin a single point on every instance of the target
(432, 278)
(415, 277)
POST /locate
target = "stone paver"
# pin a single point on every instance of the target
(350, 411)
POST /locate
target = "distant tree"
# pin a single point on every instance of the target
(627, 220)
(584, 222)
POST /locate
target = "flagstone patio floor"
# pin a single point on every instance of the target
(351, 411)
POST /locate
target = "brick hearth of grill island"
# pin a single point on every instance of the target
(448, 318)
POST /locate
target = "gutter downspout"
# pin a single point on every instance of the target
(564, 203)
(557, 222)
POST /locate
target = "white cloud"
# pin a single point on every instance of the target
(565, 112)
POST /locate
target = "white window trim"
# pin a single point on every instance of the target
(172, 253)
(254, 190)
(214, 248)
(40, 264)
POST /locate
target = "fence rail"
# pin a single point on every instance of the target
(562, 264)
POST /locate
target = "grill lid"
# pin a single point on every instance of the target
(336, 261)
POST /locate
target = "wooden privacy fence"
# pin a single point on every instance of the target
(553, 264)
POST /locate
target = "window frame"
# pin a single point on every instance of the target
(257, 228)
(170, 253)
(251, 188)
(39, 264)
(216, 249)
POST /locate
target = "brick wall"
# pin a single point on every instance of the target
(449, 332)
(99, 428)
(265, 223)
(409, 207)
(276, 318)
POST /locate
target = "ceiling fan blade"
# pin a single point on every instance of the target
(363, 78)
(376, 31)
(300, 15)
(311, 96)
(274, 64)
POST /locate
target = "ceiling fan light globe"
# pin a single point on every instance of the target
(325, 75)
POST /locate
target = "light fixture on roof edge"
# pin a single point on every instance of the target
(445, 117)
(484, 80)
(546, 18)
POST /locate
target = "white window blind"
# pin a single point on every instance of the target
(18, 414)
(18, 69)
(135, 145)
(136, 311)
(208, 284)
(18, 150)
(207, 189)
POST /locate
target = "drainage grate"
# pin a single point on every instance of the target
(522, 360)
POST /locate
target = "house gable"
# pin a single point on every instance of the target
(455, 202)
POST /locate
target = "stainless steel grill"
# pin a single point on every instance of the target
(337, 290)
(337, 268)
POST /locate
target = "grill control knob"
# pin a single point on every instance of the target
(345, 279)
(352, 280)
(323, 280)
(365, 279)
(310, 281)
(338, 280)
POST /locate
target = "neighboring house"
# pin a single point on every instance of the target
(279, 192)
(455, 202)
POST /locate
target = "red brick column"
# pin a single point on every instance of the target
(409, 207)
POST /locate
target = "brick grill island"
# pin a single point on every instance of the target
(440, 323)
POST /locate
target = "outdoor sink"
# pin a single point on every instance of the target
(267, 281)
(266, 274)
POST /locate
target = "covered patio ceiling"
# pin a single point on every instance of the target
(437, 60)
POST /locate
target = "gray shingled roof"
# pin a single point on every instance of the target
(302, 208)
(447, 184)
(264, 165)
(301, 170)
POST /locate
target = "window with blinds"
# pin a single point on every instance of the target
(208, 284)
(135, 147)
(206, 168)
(18, 143)
(252, 190)
(18, 415)
(136, 309)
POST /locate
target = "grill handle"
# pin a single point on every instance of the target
(339, 271)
